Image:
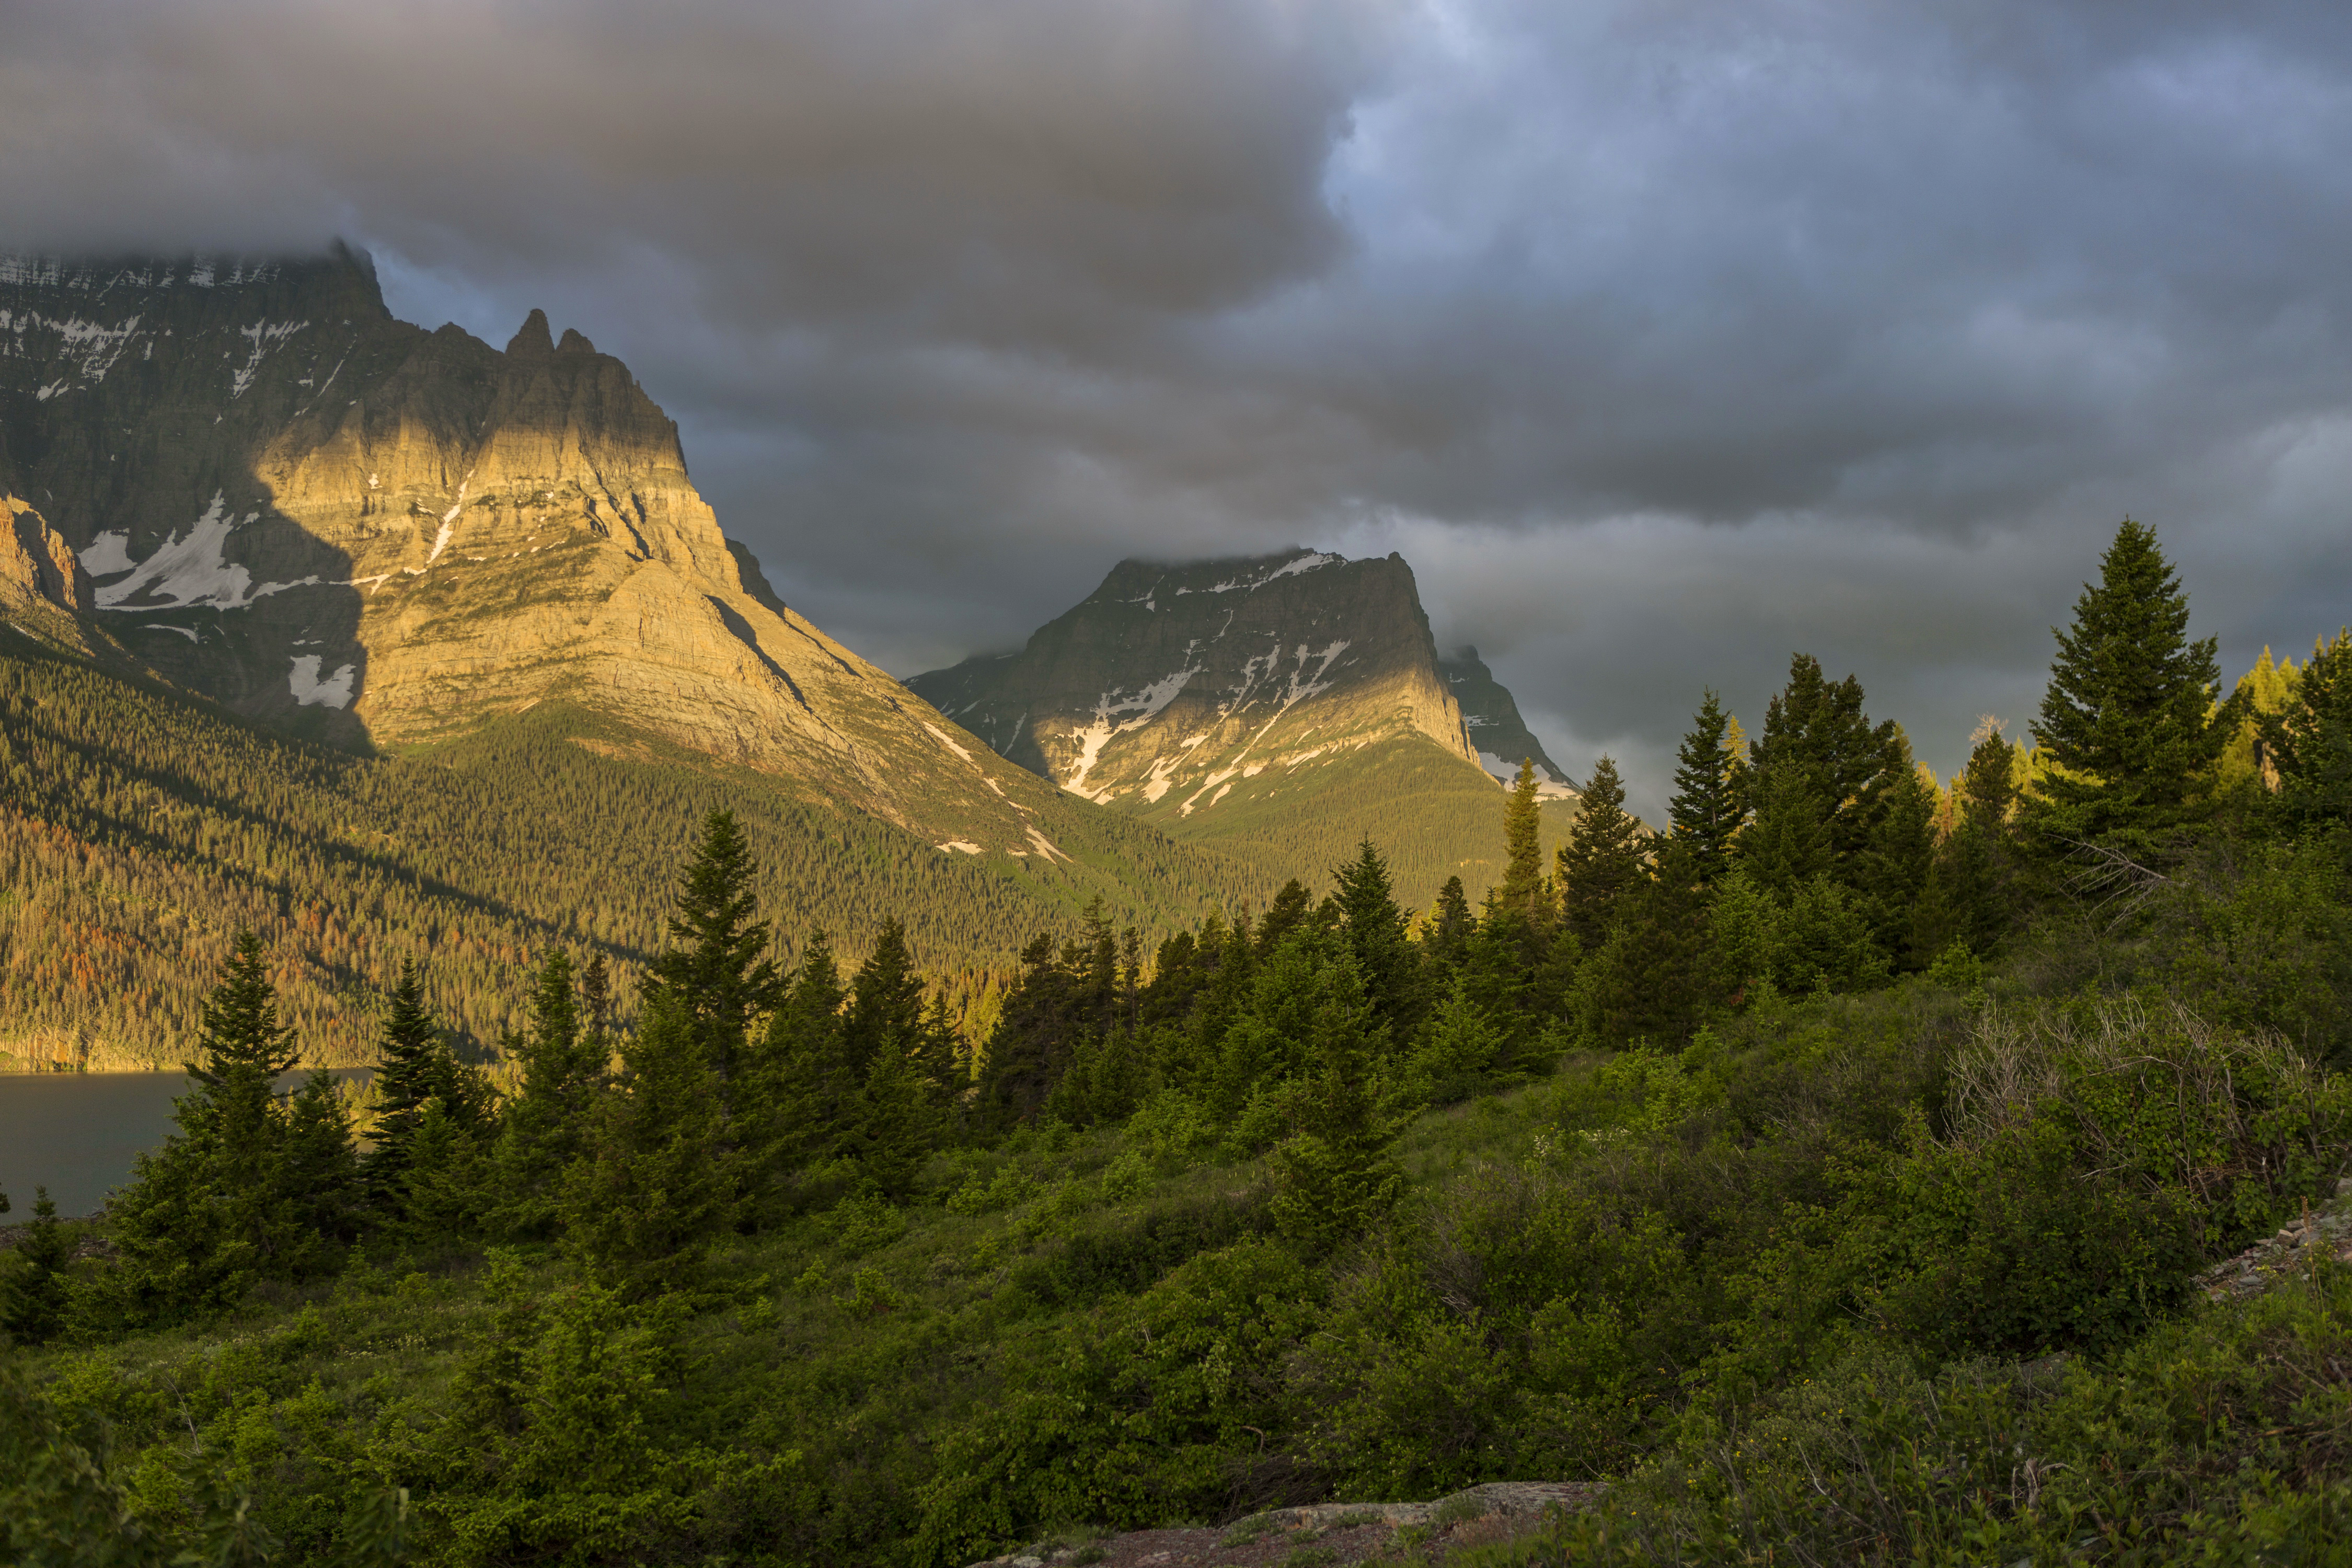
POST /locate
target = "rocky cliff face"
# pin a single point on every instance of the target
(1501, 737)
(1171, 689)
(337, 522)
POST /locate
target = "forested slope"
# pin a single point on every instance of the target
(140, 829)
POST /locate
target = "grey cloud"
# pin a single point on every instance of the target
(1663, 338)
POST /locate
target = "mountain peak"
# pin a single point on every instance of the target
(534, 338)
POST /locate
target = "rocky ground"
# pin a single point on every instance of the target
(2328, 1230)
(1326, 1535)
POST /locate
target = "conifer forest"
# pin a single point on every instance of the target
(1847, 1169)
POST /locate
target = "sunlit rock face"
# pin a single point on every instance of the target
(377, 535)
(1176, 690)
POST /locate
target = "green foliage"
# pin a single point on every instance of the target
(657, 1184)
(1603, 863)
(2128, 729)
(34, 1291)
(1707, 811)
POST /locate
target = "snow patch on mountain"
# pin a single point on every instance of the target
(108, 554)
(310, 689)
(187, 571)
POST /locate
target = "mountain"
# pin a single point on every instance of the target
(377, 536)
(1500, 737)
(1278, 707)
(242, 487)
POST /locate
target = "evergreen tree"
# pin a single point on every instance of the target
(1375, 931)
(660, 1180)
(319, 1169)
(1445, 936)
(886, 1003)
(564, 1059)
(1522, 892)
(1815, 729)
(1706, 812)
(1890, 874)
(1603, 860)
(239, 1027)
(1458, 1045)
(34, 1293)
(896, 1126)
(2308, 743)
(1788, 842)
(798, 1079)
(409, 1072)
(719, 975)
(2128, 724)
(1335, 1177)
(1651, 978)
(1289, 912)
(1969, 895)
(212, 1210)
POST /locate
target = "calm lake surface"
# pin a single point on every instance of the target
(77, 1133)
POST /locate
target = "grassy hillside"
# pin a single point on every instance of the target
(1433, 815)
(140, 828)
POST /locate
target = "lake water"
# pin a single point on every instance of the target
(77, 1133)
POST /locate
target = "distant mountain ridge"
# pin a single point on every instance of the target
(369, 534)
(1500, 737)
(1272, 705)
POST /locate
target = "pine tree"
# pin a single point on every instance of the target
(1652, 977)
(1815, 729)
(239, 1027)
(1445, 935)
(1603, 861)
(896, 1127)
(1891, 873)
(1968, 893)
(34, 1292)
(564, 1059)
(1706, 812)
(1788, 842)
(319, 1170)
(210, 1212)
(409, 1072)
(1335, 1177)
(886, 1003)
(2127, 720)
(1522, 892)
(799, 1086)
(719, 975)
(660, 1181)
(1374, 928)
(1290, 910)
(1458, 1045)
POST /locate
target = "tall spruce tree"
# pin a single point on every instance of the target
(1891, 873)
(1446, 934)
(1335, 1177)
(1522, 892)
(719, 974)
(2128, 718)
(217, 1207)
(660, 1180)
(409, 1072)
(886, 1003)
(1815, 729)
(1706, 811)
(799, 1078)
(1375, 931)
(1969, 892)
(1788, 842)
(1603, 861)
(564, 1059)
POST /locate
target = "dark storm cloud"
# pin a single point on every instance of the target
(1662, 337)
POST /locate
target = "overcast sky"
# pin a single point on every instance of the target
(1663, 338)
